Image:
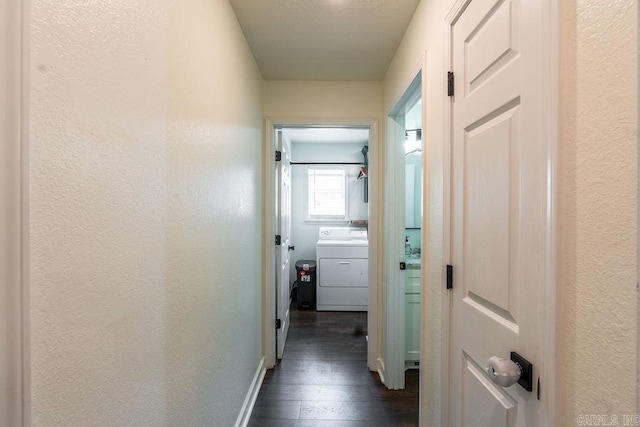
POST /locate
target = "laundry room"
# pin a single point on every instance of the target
(329, 217)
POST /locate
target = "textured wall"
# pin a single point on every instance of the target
(322, 99)
(146, 213)
(599, 144)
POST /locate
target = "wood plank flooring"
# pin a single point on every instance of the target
(323, 379)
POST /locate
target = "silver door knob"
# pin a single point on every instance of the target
(502, 371)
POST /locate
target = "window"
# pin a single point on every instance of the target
(326, 194)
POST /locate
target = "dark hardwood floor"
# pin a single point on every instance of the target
(323, 379)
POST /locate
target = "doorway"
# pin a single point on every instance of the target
(403, 237)
(304, 233)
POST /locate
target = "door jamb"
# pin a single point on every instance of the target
(268, 308)
(550, 78)
(447, 297)
(14, 305)
(551, 408)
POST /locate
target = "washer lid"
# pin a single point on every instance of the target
(342, 233)
(353, 243)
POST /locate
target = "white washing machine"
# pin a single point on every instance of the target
(342, 282)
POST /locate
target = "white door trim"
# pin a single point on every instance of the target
(550, 77)
(14, 308)
(269, 285)
(551, 407)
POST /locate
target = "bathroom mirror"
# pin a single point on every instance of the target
(413, 165)
(413, 189)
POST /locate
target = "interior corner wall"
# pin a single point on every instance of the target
(425, 37)
(599, 209)
(146, 213)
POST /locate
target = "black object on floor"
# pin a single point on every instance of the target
(306, 280)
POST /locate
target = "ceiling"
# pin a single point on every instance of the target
(323, 39)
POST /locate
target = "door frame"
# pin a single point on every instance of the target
(392, 364)
(14, 195)
(269, 227)
(549, 72)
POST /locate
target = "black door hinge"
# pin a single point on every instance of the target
(278, 155)
(278, 323)
(278, 240)
(450, 83)
(449, 276)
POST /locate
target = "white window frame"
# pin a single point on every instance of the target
(326, 218)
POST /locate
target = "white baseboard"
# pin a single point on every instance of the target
(381, 370)
(252, 395)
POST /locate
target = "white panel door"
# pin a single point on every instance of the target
(499, 203)
(283, 301)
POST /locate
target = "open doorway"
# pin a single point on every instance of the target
(322, 152)
(326, 368)
(330, 216)
(322, 221)
(402, 307)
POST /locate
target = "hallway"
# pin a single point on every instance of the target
(136, 230)
(323, 379)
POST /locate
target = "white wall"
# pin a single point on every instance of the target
(146, 171)
(599, 271)
(305, 234)
(322, 99)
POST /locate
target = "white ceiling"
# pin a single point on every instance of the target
(327, 135)
(323, 39)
